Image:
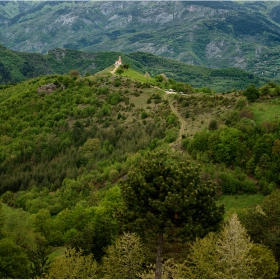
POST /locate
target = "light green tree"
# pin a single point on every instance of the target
(232, 247)
(124, 259)
(73, 266)
(264, 261)
(229, 254)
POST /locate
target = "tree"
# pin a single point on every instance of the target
(251, 93)
(73, 266)
(125, 66)
(213, 125)
(74, 73)
(240, 103)
(103, 227)
(147, 76)
(233, 247)
(124, 259)
(119, 71)
(262, 223)
(229, 254)
(165, 192)
(264, 262)
(202, 259)
(39, 258)
(2, 221)
(14, 262)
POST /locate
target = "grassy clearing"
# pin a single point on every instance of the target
(266, 111)
(58, 253)
(237, 202)
(134, 75)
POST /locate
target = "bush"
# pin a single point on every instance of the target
(213, 125)
(246, 113)
(74, 73)
(241, 103)
(144, 115)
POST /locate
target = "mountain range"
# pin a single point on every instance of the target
(214, 34)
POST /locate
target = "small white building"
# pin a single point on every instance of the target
(119, 61)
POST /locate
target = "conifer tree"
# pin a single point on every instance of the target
(164, 192)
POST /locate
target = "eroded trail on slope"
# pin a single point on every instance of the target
(181, 120)
(182, 124)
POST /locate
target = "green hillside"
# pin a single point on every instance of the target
(81, 157)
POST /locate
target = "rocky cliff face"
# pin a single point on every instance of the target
(215, 34)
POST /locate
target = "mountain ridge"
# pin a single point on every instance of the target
(214, 34)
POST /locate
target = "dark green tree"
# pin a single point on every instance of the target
(213, 125)
(251, 93)
(14, 262)
(2, 221)
(262, 223)
(164, 193)
(119, 71)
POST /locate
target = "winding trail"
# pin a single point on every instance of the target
(181, 120)
(182, 125)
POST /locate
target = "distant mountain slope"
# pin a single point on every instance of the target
(215, 34)
(19, 66)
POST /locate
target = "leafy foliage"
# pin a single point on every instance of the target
(124, 259)
(73, 265)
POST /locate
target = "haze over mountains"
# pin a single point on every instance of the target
(215, 34)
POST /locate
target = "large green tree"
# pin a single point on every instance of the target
(14, 262)
(164, 192)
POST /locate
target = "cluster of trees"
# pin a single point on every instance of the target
(86, 121)
(249, 148)
(116, 238)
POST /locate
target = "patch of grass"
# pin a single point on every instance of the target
(238, 202)
(134, 75)
(57, 253)
(266, 111)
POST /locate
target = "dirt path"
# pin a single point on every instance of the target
(182, 124)
(116, 67)
(181, 120)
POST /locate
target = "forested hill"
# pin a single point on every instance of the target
(19, 66)
(76, 153)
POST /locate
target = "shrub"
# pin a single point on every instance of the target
(246, 113)
(213, 125)
(144, 115)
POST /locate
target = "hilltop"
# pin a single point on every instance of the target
(19, 66)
